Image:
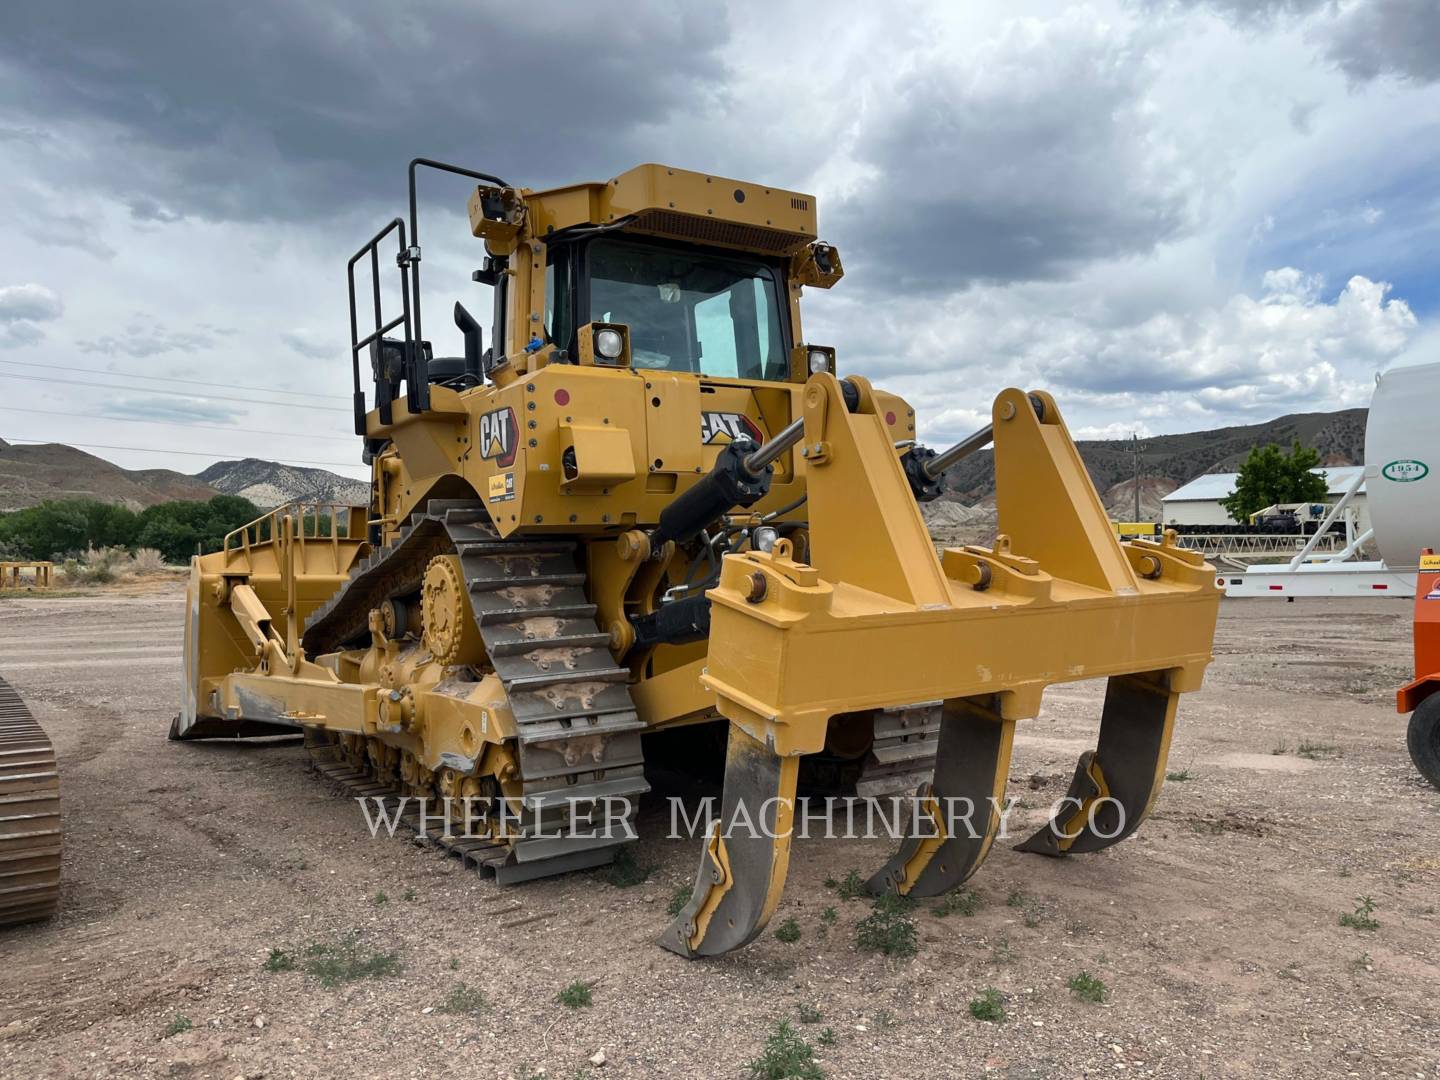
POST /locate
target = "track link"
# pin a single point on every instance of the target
(578, 737)
(903, 754)
(29, 815)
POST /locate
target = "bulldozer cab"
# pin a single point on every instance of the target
(697, 274)
(687, 309)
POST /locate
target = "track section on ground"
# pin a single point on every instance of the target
(30, 827)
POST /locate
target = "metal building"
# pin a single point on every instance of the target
(1198, 502)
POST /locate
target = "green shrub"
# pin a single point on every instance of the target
(853, 887)
(577, 995)
(1363, 917)
(964, 903)
(180, 1024)
(626, 871)
(344, 961)
(889, 928)
(464, 999)
(989, 1006)
(679, 898)
(1087, 987)
(785, 1056)
(279, 960)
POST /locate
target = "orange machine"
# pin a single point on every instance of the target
(1418, 697)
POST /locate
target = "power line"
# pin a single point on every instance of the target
(179, 393)
(168, 379)
(188, 453)
(178, 424)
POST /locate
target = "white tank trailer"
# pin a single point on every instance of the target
(1402, 463)
(1402, 488)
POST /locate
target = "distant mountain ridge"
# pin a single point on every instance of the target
(1167, 461)
(35, 474)
(268, 483)
(32, 474)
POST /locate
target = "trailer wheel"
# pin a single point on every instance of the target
(1424, 738)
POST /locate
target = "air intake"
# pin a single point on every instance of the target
(728, 233)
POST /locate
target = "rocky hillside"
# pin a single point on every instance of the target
(1178, 459)
(32, 474)
(267, 483)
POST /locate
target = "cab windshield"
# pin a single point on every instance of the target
(687, 311)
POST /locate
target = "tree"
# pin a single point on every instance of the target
(70, 526)
(64, 526)
(177, 528)
(1270, 475)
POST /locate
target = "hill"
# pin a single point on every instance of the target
(32, 474)
(1176, 459)
(268, 483)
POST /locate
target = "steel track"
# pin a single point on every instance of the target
(578, 741)
(30, 826)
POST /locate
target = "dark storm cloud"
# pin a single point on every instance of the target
(1256, 13)
(286, 109)
(1023, 161)
(1365, 40)
(144, 208)
(1387, 37)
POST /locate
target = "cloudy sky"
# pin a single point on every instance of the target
(1173, 215)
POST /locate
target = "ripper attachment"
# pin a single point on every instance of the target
(861, 625)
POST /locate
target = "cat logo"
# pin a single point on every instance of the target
(724, 427)
(498, 435)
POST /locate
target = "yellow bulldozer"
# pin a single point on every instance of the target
(651, 509)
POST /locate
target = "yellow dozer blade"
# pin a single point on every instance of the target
(874, 619)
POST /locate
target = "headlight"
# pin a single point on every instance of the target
(764, 537)
(819, 361)
(609, 344)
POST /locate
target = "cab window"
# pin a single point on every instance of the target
(690, 311)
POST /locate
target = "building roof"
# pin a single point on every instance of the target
(1212, 487)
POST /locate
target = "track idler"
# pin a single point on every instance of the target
(1116, 784)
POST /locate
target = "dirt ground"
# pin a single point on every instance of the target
(1215, 929)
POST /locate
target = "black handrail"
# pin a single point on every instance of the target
(384, 389)
(417, 374)
(407, 257)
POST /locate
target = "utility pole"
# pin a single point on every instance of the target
(1135, 450)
